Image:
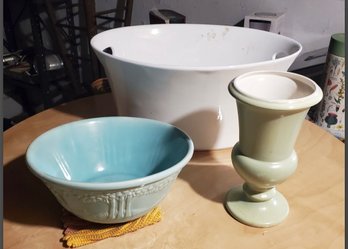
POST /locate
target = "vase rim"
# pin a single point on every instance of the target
(279, 90)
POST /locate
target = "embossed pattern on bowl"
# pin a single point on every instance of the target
(110, 169)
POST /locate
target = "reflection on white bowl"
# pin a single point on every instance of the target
(179, 73)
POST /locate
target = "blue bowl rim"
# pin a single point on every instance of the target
(138, 182)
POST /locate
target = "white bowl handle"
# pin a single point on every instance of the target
(278, 55)
(108, 50)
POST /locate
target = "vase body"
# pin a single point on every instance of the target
(271, 109)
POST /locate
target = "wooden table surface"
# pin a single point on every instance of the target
(193, 212)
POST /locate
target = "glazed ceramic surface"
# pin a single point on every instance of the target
(111, 169)
(179, 73)
(272, 106)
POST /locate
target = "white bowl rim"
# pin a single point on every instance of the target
(197, 68)
(95, 186)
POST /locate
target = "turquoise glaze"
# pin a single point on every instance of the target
(118, 156)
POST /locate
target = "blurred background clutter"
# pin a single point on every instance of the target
(47, 59)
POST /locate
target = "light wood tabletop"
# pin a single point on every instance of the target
(193, 212)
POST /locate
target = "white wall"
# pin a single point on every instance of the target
(311, 22)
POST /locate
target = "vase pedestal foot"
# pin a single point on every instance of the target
(257, 214)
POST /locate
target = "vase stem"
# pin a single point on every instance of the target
(260, 194)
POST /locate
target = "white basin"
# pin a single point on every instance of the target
(179, 73)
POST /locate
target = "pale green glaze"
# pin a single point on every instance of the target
(268, 129)
(257, 214)
(275, 134)
(261, 175)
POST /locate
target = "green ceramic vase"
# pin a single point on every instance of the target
(272, 106)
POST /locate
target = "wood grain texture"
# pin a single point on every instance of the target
(193, 211)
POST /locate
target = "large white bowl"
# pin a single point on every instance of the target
(179, 73)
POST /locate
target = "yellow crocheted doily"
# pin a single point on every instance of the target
(78, 232)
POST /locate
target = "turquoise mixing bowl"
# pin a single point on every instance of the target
(110, 169)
